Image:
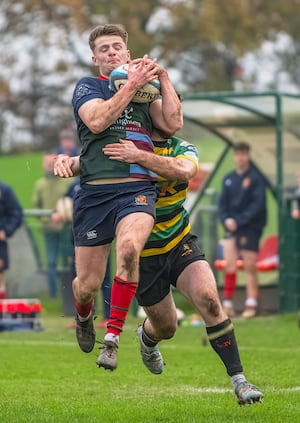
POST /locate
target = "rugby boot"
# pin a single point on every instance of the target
(151, 356)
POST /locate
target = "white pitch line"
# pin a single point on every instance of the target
(57, 343)
(215, 390)
(164, 345)
(291, 350)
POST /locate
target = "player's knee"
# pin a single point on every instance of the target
(212, 305)
(87, 288)
(168, 330)
(130, 258)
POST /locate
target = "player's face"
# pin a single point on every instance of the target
(241, 159)
(110, 52)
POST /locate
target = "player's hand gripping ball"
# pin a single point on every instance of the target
(149, 92)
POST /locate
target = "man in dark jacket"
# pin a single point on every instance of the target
(242, 208)
(11, 218)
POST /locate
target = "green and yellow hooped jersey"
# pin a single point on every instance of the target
(172, 220)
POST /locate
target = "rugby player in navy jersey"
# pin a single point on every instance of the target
(172, 257)
(116, 200)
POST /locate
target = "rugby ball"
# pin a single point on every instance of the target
(64, 207)
(149, 92)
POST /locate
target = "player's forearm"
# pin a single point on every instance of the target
(171, 105)
(98, 115)
(167, 167)
(76, 165)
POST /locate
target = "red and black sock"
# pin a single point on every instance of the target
(122, 294)
(222, 339)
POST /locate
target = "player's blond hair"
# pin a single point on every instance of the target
(107, 29)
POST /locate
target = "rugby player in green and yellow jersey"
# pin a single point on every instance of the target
(172, 257)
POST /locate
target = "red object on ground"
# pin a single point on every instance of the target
(267, 257)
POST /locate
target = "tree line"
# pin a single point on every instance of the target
(44, 51)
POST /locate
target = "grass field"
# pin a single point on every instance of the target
(20, 172)
(46, 378)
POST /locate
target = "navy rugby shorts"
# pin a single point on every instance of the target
(4, 261)
(246, 238)
(99, 208)
(159, 272)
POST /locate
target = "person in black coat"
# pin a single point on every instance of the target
(11, 218)
(242, 210)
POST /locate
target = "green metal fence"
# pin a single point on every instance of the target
(270, 122)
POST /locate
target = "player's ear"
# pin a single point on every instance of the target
(128, 56)
(94, 60)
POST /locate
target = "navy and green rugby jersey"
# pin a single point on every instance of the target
(172, 220)
(134, 124)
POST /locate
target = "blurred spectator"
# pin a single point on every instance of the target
(11, 218)
(295, 205)
(67, 143)
(295, 212)
(106, 293)
(47, 191)
(242, 209)
(106, 284)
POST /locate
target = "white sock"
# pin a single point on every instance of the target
(84, 319)
(227, 303)
(251, 302)
(237, 379)
(112, 338)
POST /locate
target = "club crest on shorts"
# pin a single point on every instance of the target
(140, 200)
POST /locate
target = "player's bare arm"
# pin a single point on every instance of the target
(166, 112)
(168, 167)
(66, 166)
(98, 114)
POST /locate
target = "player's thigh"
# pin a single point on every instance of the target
(197, 282)
(91, 264)
(198, 285)
(133, 231)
